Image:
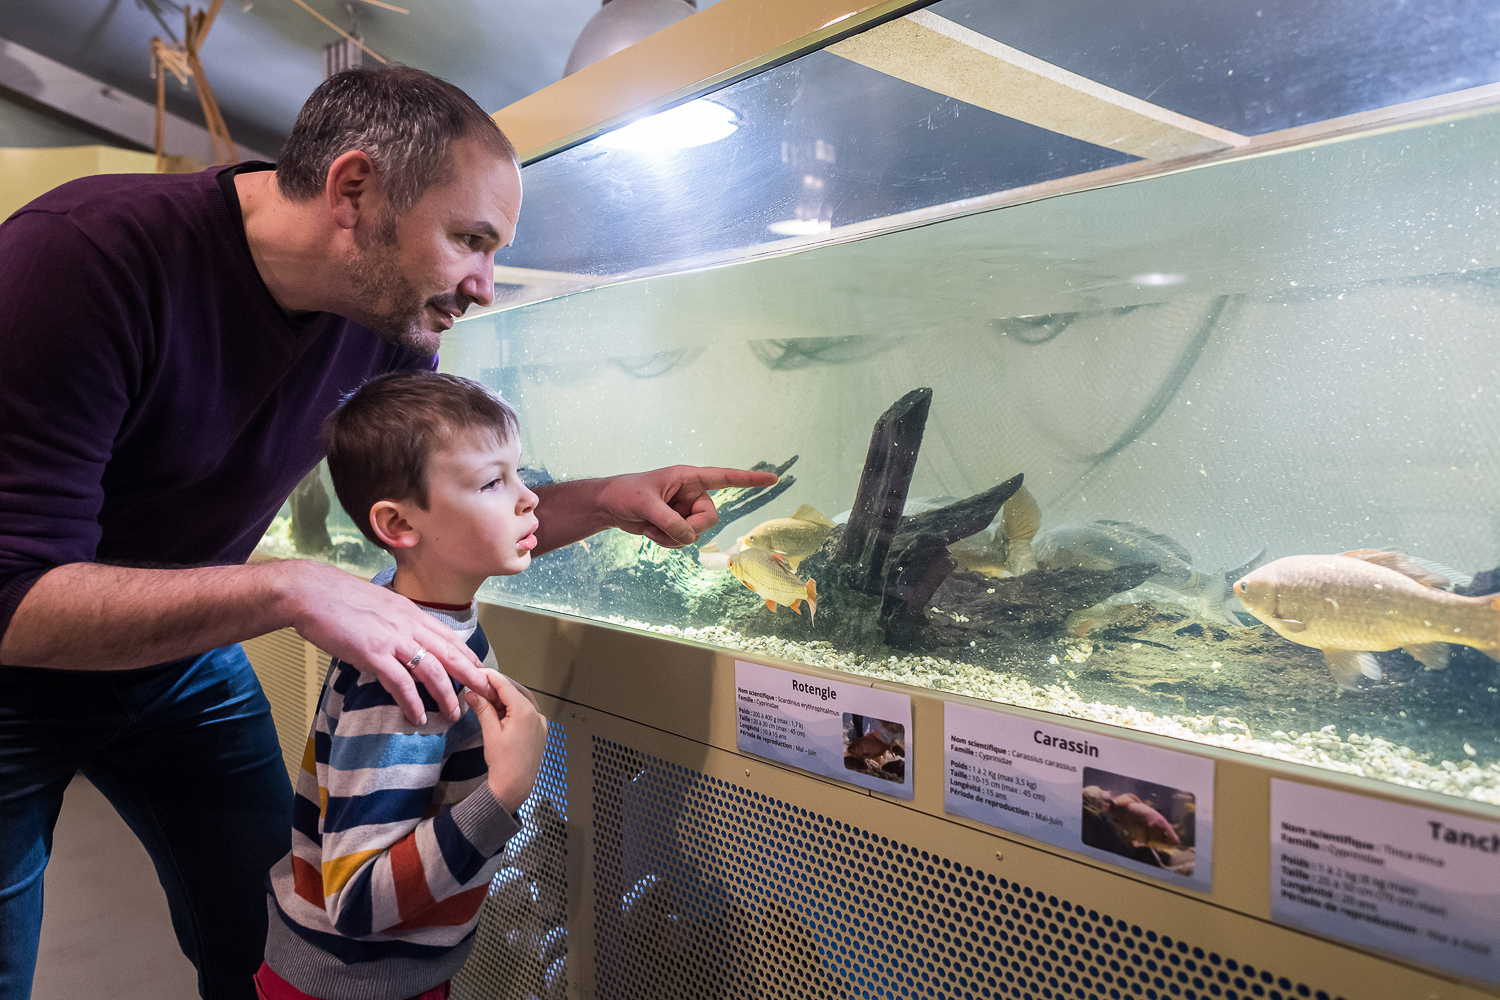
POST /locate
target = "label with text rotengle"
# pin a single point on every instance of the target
(1144, 808)
(1416, 882)
(847, 732)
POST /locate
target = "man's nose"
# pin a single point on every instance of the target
(479, 286)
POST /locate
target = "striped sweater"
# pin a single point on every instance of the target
(395, 838)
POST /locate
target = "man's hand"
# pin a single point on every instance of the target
(671, 506)
(377, 630)
(515, 738)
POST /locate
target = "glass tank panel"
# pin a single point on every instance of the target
(1201, 376)
(1128, 433)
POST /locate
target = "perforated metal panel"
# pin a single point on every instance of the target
(705, 889)
(521, 945)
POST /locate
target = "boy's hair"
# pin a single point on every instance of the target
(380, 437)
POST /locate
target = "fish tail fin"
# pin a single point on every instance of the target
(1211, 598)
(1021, 559)
(1349, 665)
(812, 599)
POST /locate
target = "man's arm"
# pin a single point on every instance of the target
(86, 616)
(670, 506)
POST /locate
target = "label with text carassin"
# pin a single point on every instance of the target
(1141, 807)
(1417, 882)
(848, 732)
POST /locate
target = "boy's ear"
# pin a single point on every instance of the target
(391, 526)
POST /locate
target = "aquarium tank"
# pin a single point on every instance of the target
(1207, 449)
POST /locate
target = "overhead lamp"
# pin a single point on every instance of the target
(692, 124)
(619, 24)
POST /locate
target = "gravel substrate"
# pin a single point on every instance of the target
(1370, 757)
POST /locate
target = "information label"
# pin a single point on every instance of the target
(1140, 807)
(1417, 882)
(848, 732)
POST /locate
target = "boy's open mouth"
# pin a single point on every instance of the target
(528, 543)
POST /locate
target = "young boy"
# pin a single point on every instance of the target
(397, 829)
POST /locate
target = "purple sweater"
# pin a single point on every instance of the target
(156, 405)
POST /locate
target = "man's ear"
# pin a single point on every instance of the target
(390, 525)
(350, 188)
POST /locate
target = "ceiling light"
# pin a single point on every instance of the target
(692, 124)
(800, 227)
(619, 24)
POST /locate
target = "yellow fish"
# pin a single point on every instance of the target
(796, 537)
(1020, 520)
(1349, 605)
(766, 573)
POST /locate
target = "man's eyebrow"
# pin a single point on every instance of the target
(484, 229)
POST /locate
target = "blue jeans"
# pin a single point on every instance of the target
(188, 755)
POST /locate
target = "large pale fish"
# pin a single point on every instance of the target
(795, 537)
(1020, 519)
(1105, 545)
(1143, 825)
(767, 574)
(1352, 604)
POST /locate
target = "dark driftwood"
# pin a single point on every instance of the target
(919, 560)
(963, 518)
(736, 502)
(310, 506)
(876, 516)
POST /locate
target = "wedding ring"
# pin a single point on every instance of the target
(411, 664)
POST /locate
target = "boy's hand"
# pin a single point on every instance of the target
(515, 738)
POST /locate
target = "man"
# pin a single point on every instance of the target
(168, 347)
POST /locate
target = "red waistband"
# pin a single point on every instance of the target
(270, 986)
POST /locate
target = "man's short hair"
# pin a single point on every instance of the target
(381, 436)
(405, 120)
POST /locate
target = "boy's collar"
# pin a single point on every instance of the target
(441, 607)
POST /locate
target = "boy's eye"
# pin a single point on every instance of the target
(489, 485)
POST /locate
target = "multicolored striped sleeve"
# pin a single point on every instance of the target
(394, 859)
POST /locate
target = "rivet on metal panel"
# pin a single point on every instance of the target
(999, 855)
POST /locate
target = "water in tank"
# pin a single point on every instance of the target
(1208, 452)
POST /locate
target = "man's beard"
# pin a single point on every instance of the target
(387, 301)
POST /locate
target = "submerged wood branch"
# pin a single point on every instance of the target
(736, 502)
(883, 485)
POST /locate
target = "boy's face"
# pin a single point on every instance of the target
(480, 519)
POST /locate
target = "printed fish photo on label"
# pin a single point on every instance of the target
(875, 747)
(1141, 820)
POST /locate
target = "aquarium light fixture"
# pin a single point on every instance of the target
(695, 123)
(1159, 279)
(800, 227)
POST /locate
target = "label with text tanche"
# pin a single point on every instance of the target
(1143, 808)
(848, 732)
(1403, 879)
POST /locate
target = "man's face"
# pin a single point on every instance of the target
(414, 274)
